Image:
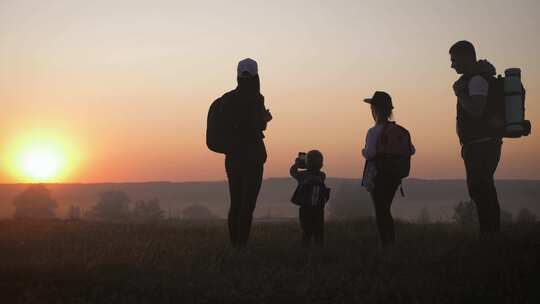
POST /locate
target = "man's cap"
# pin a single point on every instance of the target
(380, 100)
(247, 68)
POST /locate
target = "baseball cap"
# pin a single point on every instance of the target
(380, 99)
(247, 68)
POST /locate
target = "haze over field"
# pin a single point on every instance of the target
(117, 91)
(349, 199)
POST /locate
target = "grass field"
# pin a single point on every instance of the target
(179, 262)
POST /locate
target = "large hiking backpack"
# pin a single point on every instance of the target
(312, 191)
(219, 128)
(494, 111)
(394, 150)
(505, 108)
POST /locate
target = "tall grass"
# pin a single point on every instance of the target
(183, 262)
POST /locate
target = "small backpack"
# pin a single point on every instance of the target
(394, 150)
(219, 128)
(311, 192)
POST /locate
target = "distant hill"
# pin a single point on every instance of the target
(439, 196)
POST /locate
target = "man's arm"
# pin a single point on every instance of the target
(472, 95)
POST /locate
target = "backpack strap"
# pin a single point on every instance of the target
(384, 134)
(410, 139)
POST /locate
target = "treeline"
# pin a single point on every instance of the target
(36, 202)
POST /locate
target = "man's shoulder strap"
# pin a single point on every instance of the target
(486, 77)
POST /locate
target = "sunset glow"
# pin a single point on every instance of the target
(133, 81)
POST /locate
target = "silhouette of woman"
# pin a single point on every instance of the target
(245, 161)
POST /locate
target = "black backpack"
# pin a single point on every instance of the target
(219, 128)
(494, 113)
(311, 192)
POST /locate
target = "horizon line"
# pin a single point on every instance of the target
(224, 181)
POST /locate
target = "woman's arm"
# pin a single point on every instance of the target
(370, 151)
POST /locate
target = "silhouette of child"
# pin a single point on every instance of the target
(311, 194)
(379, 181)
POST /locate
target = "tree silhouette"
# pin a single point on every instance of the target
(526, 216)
(34, 203)
(506, 217)
(465, 213)
(74, 213)
(148, 211)
(197, 212)
(112, 205)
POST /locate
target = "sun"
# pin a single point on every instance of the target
(41, 162)
(41, 159)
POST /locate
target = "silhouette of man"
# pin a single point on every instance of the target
(245, 160)
(481, 146)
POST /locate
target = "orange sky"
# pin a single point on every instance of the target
(126, 86)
